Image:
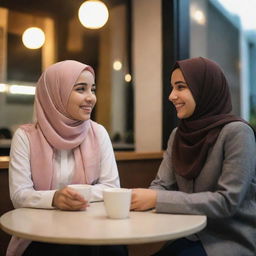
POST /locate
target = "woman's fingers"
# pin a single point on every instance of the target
(143, 199)
(68, 199)
(75, 204)
(72, 194)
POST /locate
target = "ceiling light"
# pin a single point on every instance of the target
(128, 78)
(93, 14)
(33, 38)
(199, 16)
(117, 65)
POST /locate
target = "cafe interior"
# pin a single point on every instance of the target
(132, 51)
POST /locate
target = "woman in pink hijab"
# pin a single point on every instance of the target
(64, 146)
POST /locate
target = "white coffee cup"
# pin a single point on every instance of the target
(83, 189)
(117, 202)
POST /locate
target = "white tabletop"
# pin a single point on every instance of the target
(92, 227)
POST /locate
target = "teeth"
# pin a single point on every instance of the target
(86, 108)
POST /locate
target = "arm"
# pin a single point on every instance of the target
(144, 199)
(109, 176)
(22, 190)
(236, 177)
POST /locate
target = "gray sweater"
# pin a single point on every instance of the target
(224, 191)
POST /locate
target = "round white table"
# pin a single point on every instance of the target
(93, 227)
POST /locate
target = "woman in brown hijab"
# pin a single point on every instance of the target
(208, 167)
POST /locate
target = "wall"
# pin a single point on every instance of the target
(147, 72)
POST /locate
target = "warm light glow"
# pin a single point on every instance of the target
(33, 38)
(22, 89)
(128, 78)
(3, 88)
(117, 65)
(198, 16)
(93, 14)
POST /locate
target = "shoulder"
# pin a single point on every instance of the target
(19, 134)
(172, 135)
(236, 134)
(20, 141)
(237, 128)
(170, 140)
(99, 130)
(25, 131)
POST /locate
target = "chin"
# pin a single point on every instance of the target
(82, 118)
(180, 116)
(86, 118)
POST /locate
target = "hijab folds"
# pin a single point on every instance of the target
(197, 134)
(55, 130)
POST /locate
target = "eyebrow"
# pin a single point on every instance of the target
(83, 83)
(180, 82)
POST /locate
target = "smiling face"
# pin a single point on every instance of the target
(82, 98)
(181, 96)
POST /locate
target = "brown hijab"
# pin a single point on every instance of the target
(197, 134)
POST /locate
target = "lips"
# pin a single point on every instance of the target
(179, 105)
(86, 108)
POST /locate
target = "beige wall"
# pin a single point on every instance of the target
(147, 74)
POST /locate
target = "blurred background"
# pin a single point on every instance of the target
(132, 54)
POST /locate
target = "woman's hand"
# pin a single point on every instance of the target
(143, 199)
(69, 199)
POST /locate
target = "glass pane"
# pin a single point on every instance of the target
(225, 31)
(106, 49)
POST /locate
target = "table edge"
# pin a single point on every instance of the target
(134, 240)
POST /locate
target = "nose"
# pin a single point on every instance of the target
(172, 95)
(89, 96)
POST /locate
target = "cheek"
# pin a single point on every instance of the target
(192, 106)
(94, 99)
(190, 99)
(72, 103)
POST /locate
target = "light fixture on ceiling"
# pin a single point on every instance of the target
(128, 78)
(117, 65)
(33, 38)
(93, 14)
(198, 16)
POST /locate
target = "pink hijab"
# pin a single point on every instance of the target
(54, 130)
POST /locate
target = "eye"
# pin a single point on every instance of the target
(80, 89)
(93, 90)
(181, 87)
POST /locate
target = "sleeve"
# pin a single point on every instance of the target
(22, 190)
(237, 174)
(165, 179)
(109, 176)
